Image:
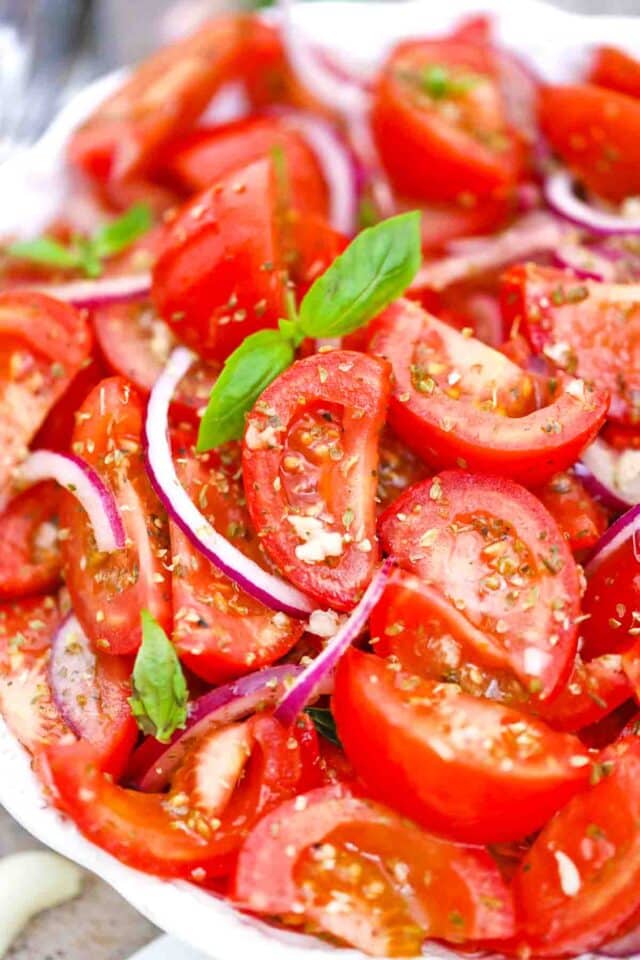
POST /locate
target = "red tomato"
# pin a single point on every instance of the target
(471, 770)
(329, 847)
(30, 561)
(467, 216)
(587, 328)
(617, 70)
(398, 468)
(612, 603)
(56, 431)
(311, 245)
(580, 519)
(457, 402)
(208, 154)
(44, 343)
(163, 97)
(620, 437)
(596, 132)
(137, 345)
(579, 883)
(439, 122)
(521, 599)
(219, 631)
(108, 590)
(309, 464)
(218, 275)
(194, 831)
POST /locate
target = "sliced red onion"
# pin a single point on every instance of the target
(520, 84)
(309, 681)
(611, 476)
(534, 232)
(624, 946)
(246, 573)
(88, 488)
(71, 670)
(625, 527)
(584, 262)
(373, 175)
(560, 194)
(153, 762)
(100, 293)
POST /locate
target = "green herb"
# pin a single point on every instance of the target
(87, 253)
(439, 83)
(376, 268)
(324, 723)
(159, 700)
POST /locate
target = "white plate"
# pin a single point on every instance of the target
(31, 189)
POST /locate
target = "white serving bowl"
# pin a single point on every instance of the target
(31, 191)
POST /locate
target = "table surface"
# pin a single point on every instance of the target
(100, 919)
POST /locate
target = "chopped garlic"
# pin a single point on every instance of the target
(570, 882)
(265, 439)
(324, 623)
(318, 542)
(535, 661)
(559, 353)
(576, 389)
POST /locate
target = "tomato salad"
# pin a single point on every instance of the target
(320, 490)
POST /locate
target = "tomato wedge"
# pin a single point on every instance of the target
(31, 560)
(44, 343)
(414, 742)
(579, 882)
(108, 590)
(458, 402)
(581, 520)
(401, 885)
(309, 462)
(584, 327)
(616, 70)
(492, 550)
(219, 631)
(218, 276)
(57, 430)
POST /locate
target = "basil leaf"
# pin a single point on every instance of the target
(159, 700)
(324, 723)
(46, 251)
(376, 268)
(113, 237)
(246, 373)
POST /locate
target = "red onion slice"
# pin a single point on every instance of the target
(560, 195)
(312, 677)
(71, 669)
(87, 487)
(99, 293)
(153, 762)
(586, 263)
(246, 573)
(612, 476)
(624, 946)
(625, 527)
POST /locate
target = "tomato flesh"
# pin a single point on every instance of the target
(31, 561)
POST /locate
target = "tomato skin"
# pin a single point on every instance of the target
(467, 216)
(458, 426)
(220, 632)
(109, 590)
(343, 395)
(56, 431)
(397, 730)
(429, 156)
(616, 70)
(30, 561)
(598, 833)
(577, 325)
(580, 519)
(611, 600)
(218, 277)
(595, 132)
(163, 97)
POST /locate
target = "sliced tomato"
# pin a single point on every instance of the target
(596, 132)
(440, 125)
(309, 460)
(191, 834)
(398, 468)
(311, 245)
(401, 885)
(579, 882)
(44, 343)
(208, 154)
(164, 96)
(492, 550)
(616, 70)
(584, 327)
(108, 590)
(219, 631)
(466, 216)
(57, 430)
(612, 603)
(136, 344)
(457, 402)
(621, 437)
(580, 519)
(469, 769)
(218, 276)
(31, 560)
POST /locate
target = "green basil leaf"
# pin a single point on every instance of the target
(376, 268)
(246, 373)
(115, 236)
(159, 700)
(324, 723)
(46, 251)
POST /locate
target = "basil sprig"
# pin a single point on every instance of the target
(87, 253)
(324, 723)
(159, 696)
(375, 269)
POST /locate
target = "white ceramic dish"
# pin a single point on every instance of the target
(32, 189)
